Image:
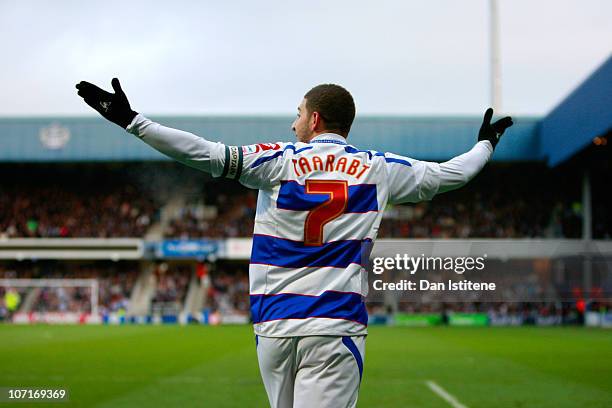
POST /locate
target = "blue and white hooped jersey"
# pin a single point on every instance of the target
(319, 207)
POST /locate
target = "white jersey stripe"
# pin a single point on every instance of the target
(314, 281)
(290, 225)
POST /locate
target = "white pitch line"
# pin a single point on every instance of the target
(442, 393)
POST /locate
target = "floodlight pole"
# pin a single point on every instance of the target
(587, 236)
(495, 67)
(587, 230)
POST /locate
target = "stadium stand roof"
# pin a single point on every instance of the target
(586, 113)
(93, 139)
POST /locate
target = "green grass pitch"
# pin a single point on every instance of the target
(200, 366)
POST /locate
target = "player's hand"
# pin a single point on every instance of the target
(112, 106)
(492, 132)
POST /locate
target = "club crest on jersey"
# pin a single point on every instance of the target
(260, 147)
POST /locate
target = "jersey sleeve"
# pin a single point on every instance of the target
(413, 180)
(258, 165)
(185, 147)
(410, 180)
(255, 166)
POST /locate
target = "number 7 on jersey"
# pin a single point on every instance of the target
(332, 208)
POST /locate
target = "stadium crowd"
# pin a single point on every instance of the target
(499, 203)
(127, 213)
(171, 284)
(57, 212)
(229, 215)
(478, 217)
(229, 292)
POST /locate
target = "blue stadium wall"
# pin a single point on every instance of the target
(93, 139)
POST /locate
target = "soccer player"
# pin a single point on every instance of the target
(320, 204)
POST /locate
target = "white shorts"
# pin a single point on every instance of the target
(311, 371)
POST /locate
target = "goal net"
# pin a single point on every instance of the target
(49, 300)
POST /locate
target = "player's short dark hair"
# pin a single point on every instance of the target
(335, 105)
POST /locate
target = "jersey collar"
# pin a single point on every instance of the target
(329, 138)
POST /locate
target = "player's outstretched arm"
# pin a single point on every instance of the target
(184, 147)
(414, 180)
(456, 172)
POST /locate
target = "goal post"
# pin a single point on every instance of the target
(42, 283)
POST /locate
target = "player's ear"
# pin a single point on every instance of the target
(315, 120)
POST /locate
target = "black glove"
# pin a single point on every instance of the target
(492, 132)
(114, 107)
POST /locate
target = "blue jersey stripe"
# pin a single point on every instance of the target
(333, 305)
(292, 196)
(400, 161)
(354, 150)
(285, 253)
